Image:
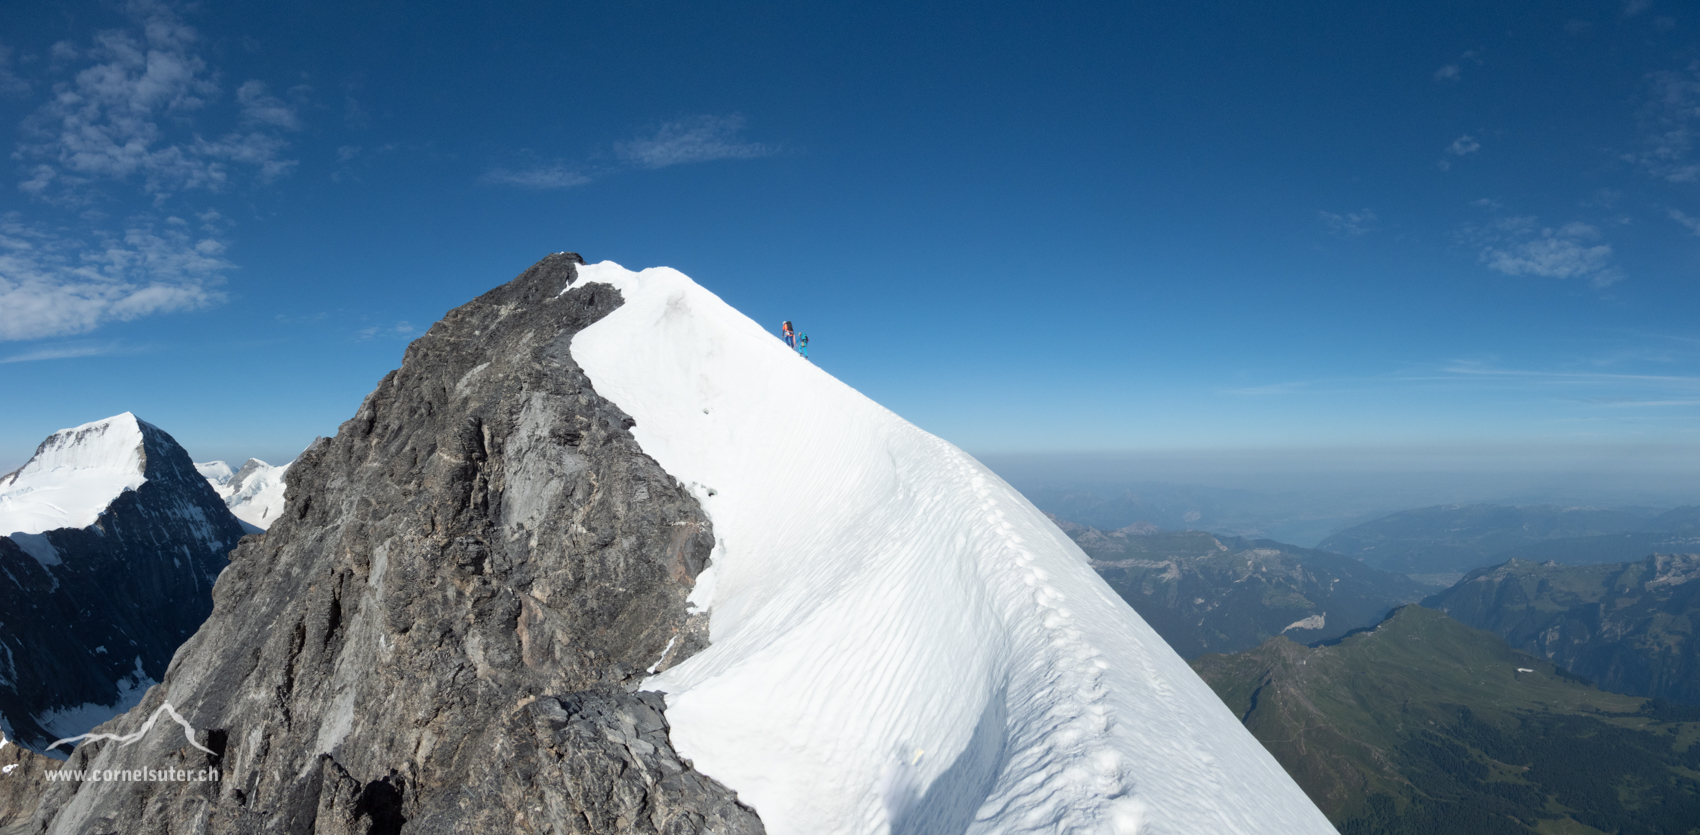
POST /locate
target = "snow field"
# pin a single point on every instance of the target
(73, 476)
(256, 493)
(900, 641)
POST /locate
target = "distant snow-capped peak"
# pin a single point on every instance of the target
(73, 476)
(217, 473)
(254, 493)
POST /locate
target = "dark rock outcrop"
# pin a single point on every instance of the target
(444, 630)
(90, 616)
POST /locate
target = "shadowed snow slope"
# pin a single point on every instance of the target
(899, 641)
(73, 476)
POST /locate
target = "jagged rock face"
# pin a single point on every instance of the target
(442, 631)
(89, 617)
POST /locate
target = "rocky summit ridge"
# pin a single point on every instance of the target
(445, 629)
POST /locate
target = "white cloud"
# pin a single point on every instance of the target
(53, 285)
(10, 83)
(697, 139)
(1455, 70)
(1692, 223)
(399, 330)
(1350, 223)
(544, 177)
(1463, 146)
(60, 352)
(1632, 8)
(1520, 246)
(260, 108)
(131, 115)
(1670, 119)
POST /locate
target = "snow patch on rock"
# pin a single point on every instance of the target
(74, 720)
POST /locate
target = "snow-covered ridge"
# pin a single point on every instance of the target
(900, 641)
(254, 493)
(73, 476)
(217, 473)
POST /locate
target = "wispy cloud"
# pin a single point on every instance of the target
(541, 177)
(60, 352)
(1463, 146)
(132, 114)
(56, 285)
(696, 139)
(135, 116)
(1351, 223)
(1472, 368)
(1454, 71)
(262, 109)
(1691, 223)
(1593, 388)
(1669, 121)
(10, 83)
(399, 330)
(1522, 246)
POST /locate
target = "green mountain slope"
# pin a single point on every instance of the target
(1206, 593)
(1424, 725)
(1459, 538)
(1628, 626)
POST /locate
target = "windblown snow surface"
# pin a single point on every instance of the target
(901, 642)
(254, 493)
(73, 476)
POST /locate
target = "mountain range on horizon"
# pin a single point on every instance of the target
(1206, 593)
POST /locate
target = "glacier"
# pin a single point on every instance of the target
(899, 641)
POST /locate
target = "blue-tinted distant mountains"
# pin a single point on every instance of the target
(1207, 592)
(1628, 626)
(1455, 539)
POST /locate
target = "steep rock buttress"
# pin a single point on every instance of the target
(445, 628)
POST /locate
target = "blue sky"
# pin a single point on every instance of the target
(1210, 227)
